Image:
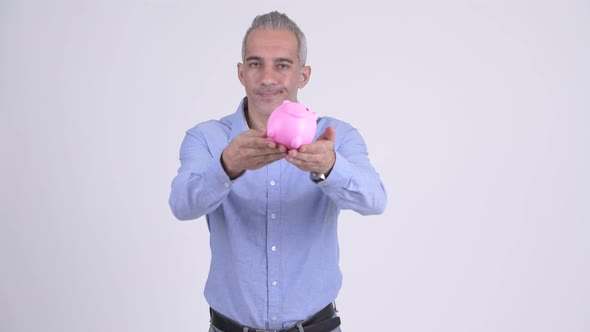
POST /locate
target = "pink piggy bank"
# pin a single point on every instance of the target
(292, 125)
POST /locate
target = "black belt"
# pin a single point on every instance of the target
(323, 321)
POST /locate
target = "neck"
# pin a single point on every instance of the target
(257, 124)
(254, 121)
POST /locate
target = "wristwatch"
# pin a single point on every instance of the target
(317, 177)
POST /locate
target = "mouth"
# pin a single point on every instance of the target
(268, 93)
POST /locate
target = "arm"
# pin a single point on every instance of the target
(201, 183)
(208, 168)
(353, 183)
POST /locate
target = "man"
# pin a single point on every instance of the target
(272, 213)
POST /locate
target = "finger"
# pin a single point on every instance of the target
(257, 142)
(299, 158)
(305, 165)
(263, 160)
(328, 134)
(282, 149)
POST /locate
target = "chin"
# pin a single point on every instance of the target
(269, 104)
(265, 108)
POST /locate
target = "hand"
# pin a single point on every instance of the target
(317, 157)
(248, 151)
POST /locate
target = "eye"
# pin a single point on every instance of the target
(283, 66)
(254, 64)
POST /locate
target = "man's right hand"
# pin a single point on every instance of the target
(248, 151)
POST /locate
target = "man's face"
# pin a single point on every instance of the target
(271, 71)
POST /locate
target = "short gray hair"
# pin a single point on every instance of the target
(278, 21)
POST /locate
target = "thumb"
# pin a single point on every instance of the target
(329, 134)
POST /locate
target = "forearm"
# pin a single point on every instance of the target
(354, 184)
(196, 193)
(201, 183)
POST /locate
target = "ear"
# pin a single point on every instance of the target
(304, 76)
(241, 73)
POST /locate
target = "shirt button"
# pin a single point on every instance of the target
(227, 184)
(272, 182)
(274, 317)
(272, 216)
(273, 248)
(274, 283)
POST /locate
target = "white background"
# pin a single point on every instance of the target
(475, 114)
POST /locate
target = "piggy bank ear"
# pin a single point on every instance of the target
(315, 115)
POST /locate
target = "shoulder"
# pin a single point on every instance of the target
(345, 133)
(342, 128)
(211, 136)
(326, 121)
(212, 128)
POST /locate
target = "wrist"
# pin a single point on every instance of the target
(231, 173)
(319, 177)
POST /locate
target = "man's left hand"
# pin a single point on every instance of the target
(318, 157)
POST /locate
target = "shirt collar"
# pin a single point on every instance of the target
(238, 121)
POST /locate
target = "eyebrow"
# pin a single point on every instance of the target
(257, 58)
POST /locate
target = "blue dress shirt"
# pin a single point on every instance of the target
(273, 232)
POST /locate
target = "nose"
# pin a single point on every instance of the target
(269, 75)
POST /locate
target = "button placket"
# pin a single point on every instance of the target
(273, 241)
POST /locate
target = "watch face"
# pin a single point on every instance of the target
(317, 177)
